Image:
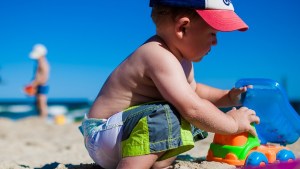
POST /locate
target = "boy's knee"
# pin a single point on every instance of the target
(164, 164)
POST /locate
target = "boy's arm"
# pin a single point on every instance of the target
(220, 98)
(169, 77)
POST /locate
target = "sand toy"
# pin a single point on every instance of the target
(29, 90)
(279, 126)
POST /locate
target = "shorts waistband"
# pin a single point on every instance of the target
(92, 124)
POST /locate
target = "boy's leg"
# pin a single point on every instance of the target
(165, 164)
(42, 105)
(152, 128)
(145, 161)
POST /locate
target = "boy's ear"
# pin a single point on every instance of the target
(181, 25)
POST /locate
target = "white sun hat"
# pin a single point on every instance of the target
(38, 51)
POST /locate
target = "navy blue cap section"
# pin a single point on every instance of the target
(196, 4)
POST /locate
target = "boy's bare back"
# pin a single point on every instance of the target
(132, 83)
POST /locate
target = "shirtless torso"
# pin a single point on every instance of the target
(136, 85)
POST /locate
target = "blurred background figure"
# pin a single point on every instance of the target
(38, 87)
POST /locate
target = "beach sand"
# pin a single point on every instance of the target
(35, 143)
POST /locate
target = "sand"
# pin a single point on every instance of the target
(34, 143)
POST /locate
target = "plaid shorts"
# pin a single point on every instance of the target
(140, 130)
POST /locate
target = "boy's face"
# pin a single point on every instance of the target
(198, 39)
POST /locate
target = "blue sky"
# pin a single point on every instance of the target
(86, 40)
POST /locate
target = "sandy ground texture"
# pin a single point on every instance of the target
(32, 143)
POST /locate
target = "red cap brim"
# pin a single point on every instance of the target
(223, 20)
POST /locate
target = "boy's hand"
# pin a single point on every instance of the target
(30, 90)
(243, 118)
(235, 94)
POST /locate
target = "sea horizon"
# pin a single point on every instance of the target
(17, 108)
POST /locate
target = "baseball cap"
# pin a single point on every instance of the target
(38, 51)
(219, 14)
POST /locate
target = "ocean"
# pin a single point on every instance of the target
(72, 109)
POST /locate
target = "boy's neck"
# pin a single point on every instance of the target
(41, 58)
(168, 46)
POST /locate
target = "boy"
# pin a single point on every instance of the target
(39, 82)
(143, 114)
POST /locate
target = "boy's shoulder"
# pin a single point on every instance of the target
(153, 58)
(154, 52)
(154, 47)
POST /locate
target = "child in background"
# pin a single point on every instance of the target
(143, 116)
(38, 85)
